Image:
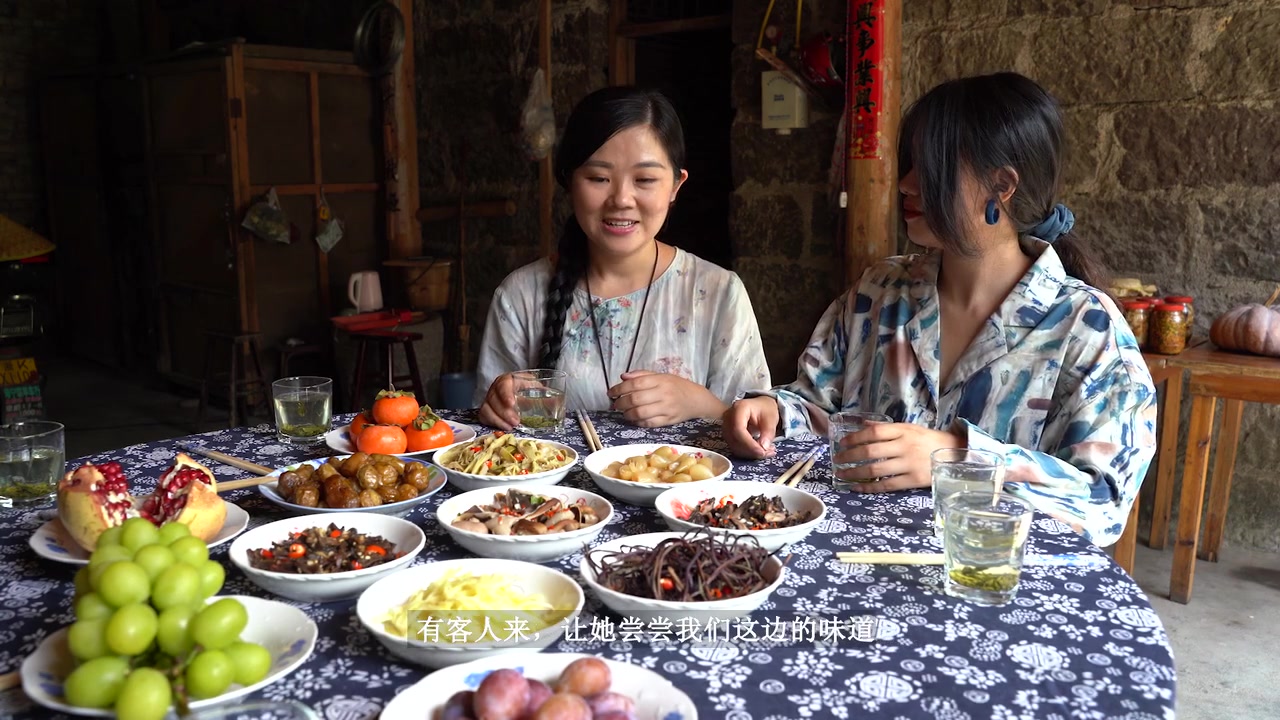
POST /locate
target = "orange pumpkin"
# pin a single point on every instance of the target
(1249, 328)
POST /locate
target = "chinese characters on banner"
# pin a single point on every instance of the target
(865, 73)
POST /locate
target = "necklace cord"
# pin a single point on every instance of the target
(595, 330)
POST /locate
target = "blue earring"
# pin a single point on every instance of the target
(993, 213)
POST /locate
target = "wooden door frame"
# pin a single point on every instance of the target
(623, 35)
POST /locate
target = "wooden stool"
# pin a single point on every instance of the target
(386, 340)
(237, 386)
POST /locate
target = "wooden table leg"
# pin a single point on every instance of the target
(1127, 545)
(1199, 439)
(1223, 468)
(1166, 463)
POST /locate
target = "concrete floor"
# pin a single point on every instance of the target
(1224, 641)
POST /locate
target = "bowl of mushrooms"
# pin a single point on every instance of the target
(529, 523)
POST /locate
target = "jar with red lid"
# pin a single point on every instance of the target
(1188, 302)
(1167, 331)
(1138, 314)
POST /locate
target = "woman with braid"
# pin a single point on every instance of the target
(640, 327)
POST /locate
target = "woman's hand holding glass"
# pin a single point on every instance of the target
(651, 399)
(499, 408)
(896, 452)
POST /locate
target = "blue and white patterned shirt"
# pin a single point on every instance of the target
(1054, 380)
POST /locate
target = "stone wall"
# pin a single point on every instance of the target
(35, 37)
(1172, 116)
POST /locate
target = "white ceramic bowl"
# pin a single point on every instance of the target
(655, 697)
(647, 610)
(645, 494)
(394, 590)
(285, 631)
(674, 504)
(338, 440)
(467, 482)
(529, 548)
(399, 509)
(327, 587)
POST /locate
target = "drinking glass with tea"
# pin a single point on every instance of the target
(540, 400)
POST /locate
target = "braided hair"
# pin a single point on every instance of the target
(597, 117)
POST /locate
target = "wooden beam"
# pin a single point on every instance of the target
(317, 177)
(622, 50)
(546, 184)
(709, 22)
(873, 83)
(408, 231)
(490, 208)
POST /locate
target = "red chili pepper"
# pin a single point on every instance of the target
(335, 533)
(519, 456)
(499, 434)
(357, 565)
(524, 472)
(475, 450)
(296, 550)
(488, 463)
(268, 554)
(559, 456)
(666, 584)
(376, 550)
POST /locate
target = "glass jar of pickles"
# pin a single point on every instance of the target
(1167, 330)
(1188, 302)
(1138, 314)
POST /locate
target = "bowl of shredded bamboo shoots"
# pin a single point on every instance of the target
(505, 460)
(455, 611)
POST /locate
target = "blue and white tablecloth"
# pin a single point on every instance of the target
(1075, 643)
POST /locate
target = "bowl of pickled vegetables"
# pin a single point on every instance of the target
(638, 474)
(455, 611)
(501, 459)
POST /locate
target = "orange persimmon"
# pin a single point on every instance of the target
(395, 407)
(428, 431)
(357, 425)
(382, 440)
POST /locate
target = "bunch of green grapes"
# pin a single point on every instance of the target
(145, 635)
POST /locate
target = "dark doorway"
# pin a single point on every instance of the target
(692, 68)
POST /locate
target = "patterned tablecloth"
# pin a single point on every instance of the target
(1075, 642)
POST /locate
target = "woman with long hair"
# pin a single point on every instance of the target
(638, 325)
(997, 338)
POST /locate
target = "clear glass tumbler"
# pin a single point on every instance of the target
(540, 400)
(32, 460)
(983, 546)
(959, 469)
(304, 409)
(839, 427)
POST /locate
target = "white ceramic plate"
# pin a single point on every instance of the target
(646, 494)
(468, 482)
(52, 542)
(338, 441)
(655, 697)
(327, 587)
(675, 504)
(529, 548)
(399, 509)
(285, 631)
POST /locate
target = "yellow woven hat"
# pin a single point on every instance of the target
(19, 243)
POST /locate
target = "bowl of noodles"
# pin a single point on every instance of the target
(504, 460)
(455, 611)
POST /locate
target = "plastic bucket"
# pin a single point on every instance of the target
(456, 390)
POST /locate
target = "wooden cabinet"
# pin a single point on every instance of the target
(223, 128)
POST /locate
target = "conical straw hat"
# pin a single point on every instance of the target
(19, 243)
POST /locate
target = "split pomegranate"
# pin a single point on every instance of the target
(93, 498)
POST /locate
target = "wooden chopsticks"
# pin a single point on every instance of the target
(796, 472)
(589, 432)
(234, 462)
(911, 558)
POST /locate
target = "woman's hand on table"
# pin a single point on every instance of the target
(499, 408)
(750, 425)
(897, 452)
(651, 399)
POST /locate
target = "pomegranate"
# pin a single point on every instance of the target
(93, 498)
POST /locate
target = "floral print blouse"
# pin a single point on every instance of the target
(699, 324)
(1054, 380)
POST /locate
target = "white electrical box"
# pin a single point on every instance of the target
(784, 105)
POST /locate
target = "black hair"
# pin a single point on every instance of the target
(598, 117)
(986, 123)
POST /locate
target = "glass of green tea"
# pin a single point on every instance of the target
(32, 456)
(984, 540)
(304, 409)
(540, 400)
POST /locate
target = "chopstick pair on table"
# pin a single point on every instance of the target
(234, 462)
(796, 472)
(589, 432)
